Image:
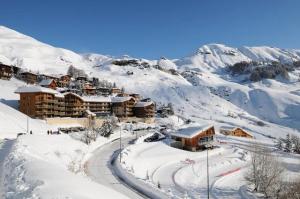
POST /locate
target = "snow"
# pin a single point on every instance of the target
(45, 82)
(166, 64)
(49, 166)
(35, 89)
(191, 131)
(120, 99)
(182, 173)
(96, 99)
(208, 94)
(143, 104)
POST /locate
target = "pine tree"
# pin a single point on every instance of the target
(279, 144)
(288, 143)
(295, 140)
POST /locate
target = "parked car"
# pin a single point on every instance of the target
(152, 138)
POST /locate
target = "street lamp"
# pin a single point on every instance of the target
(120, 140)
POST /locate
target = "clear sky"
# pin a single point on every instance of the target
(154, 28)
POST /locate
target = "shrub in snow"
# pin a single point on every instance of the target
(264, 172)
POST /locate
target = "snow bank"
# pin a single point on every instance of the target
(45, 166)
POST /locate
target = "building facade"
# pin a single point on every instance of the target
(6, 72)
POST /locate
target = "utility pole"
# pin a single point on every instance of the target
(120, 142)
(27, 116)
(207, 174)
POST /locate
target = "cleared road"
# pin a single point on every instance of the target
(99, 168)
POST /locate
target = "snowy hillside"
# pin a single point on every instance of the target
(204, 93)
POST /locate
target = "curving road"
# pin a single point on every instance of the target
(104, 168)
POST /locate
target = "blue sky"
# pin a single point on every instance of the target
(154, 28)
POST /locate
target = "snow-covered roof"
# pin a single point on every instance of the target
(143, 104)
(90, 113)
(45, 82)
(191, 131)
(120, 99)
(91, 98)
(59, 95)
(96, 99)
(228, 128)
(35, 89)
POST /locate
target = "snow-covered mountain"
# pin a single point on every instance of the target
(200, 89)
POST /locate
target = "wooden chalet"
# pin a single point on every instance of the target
(144, 109)
(29, 77)
(64, 81)
(74, 104)
(123, 106)
(235, 131)
(115, 91)
(136, 96)
(99, 105)
(88, 89)
(40, 102)
(6, 72)
(48, 83)
(195, 137)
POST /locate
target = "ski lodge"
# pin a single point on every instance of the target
(193, 138)
(235, 131)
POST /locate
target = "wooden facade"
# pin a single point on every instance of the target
(99, 107)
(64, 81)
(116, 91)
(88, 89)
(195, 138)
(41, 105)
(74, 104)
(29, 77)
(123, 106)
(144, 109)
(6, 72)
(48, 83)
(238, 132)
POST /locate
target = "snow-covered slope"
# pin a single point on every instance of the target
(206, 94)
(28, 53)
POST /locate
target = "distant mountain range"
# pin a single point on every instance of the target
(197, 85)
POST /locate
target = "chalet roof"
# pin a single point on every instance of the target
(35, 89)
(231, 128)
(46, 82)
(120, 99)
(143, 104)
(228, 128)
(191, 131)
(96, 99)
(91, 98)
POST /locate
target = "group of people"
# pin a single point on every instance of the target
(50, 132)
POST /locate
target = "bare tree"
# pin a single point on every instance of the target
(291, 190)
(264, 172)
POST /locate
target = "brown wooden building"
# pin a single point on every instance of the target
(29, 77)
(144, 109)
(88, 89)
(39, 102)
(6, 72)
(74, 104)
(64, 81)
(123, 106)
(48, 83)
(235, 131)
(99, 105)
(195, 137)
